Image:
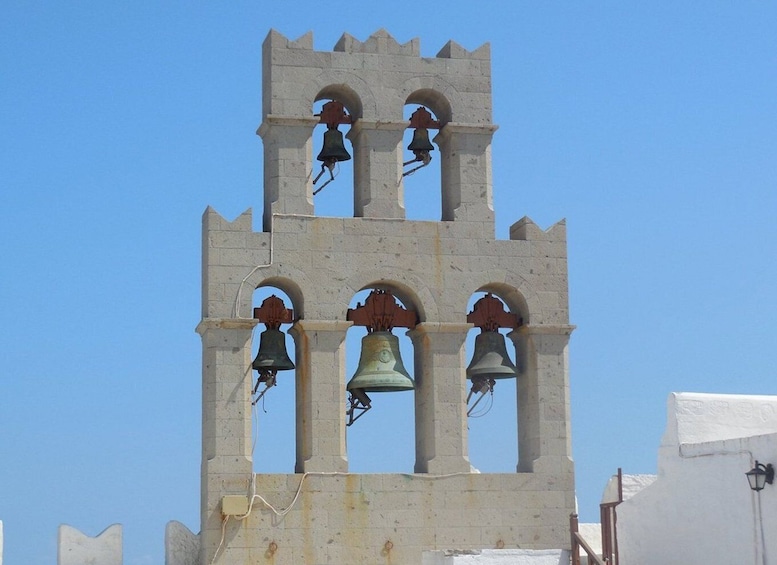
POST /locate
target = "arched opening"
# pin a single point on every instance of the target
(383, 438)
(422, 180)
(333, 154)
(273, 397)
(492, 403)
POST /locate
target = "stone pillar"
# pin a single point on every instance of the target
(544, 436)
(227, 467)
(288, 166)
(378, 187)
(466, 174)
(320, 360)
(440, 398)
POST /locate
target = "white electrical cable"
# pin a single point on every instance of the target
(223, 537)
(236, 307)
(282, 513)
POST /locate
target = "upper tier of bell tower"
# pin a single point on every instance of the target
(374, 80)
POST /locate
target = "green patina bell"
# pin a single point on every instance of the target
(380, 365)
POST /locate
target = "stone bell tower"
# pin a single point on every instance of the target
(322, 513)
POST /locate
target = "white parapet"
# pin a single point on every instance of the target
(497, 557)
(182, 547)
(76, 548)
(694, 417)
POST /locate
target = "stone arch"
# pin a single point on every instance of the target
(411, 290)
(291, 288)
(516, 291)
(388, 423)
(350, 89)
(493, 414)
(511, 296)
(276, 392)
(432, 91)
(434, 100)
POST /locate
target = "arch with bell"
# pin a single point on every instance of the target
(346, 144)
(435, 366)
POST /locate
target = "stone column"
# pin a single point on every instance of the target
(440, 398)
(466, 174)
(320, 360)
(378, 189)
(544, 437)
(288, 166)
(227, 467)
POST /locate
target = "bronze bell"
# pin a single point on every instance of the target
(334, 147)
(420, 142)
(380, 365)
(490, 360)
(272, 354)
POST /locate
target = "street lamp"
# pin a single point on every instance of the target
(760, 475)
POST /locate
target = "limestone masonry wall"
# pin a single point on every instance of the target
(322, 513)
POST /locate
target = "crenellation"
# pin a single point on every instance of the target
(379, 42)
(453, 50)
(276, 40)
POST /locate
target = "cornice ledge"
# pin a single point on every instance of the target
(548, 329)
(225, 324)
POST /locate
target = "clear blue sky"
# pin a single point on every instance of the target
(650, 126)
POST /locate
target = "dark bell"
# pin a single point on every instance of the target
(490, 360)
(380, 366)
(272, 354)
(334, 147)
(420, 141)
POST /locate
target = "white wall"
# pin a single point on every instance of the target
(700, 510)
(498, 557)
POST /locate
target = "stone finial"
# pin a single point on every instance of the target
(76, 548)
(182, 547)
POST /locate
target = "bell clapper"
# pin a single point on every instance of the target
(357, 400)
(268, 378)
(422, 156)
(480, 386)
(329, 164)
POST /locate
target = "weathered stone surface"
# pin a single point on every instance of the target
(76, 548)
(182, 547)
(433, 267)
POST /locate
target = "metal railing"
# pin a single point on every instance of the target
(579, 543)
(609, 524)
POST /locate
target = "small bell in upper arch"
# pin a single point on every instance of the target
(331, 153)
(334, 147)
(421, 120)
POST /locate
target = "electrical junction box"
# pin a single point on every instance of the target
(234, 505)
